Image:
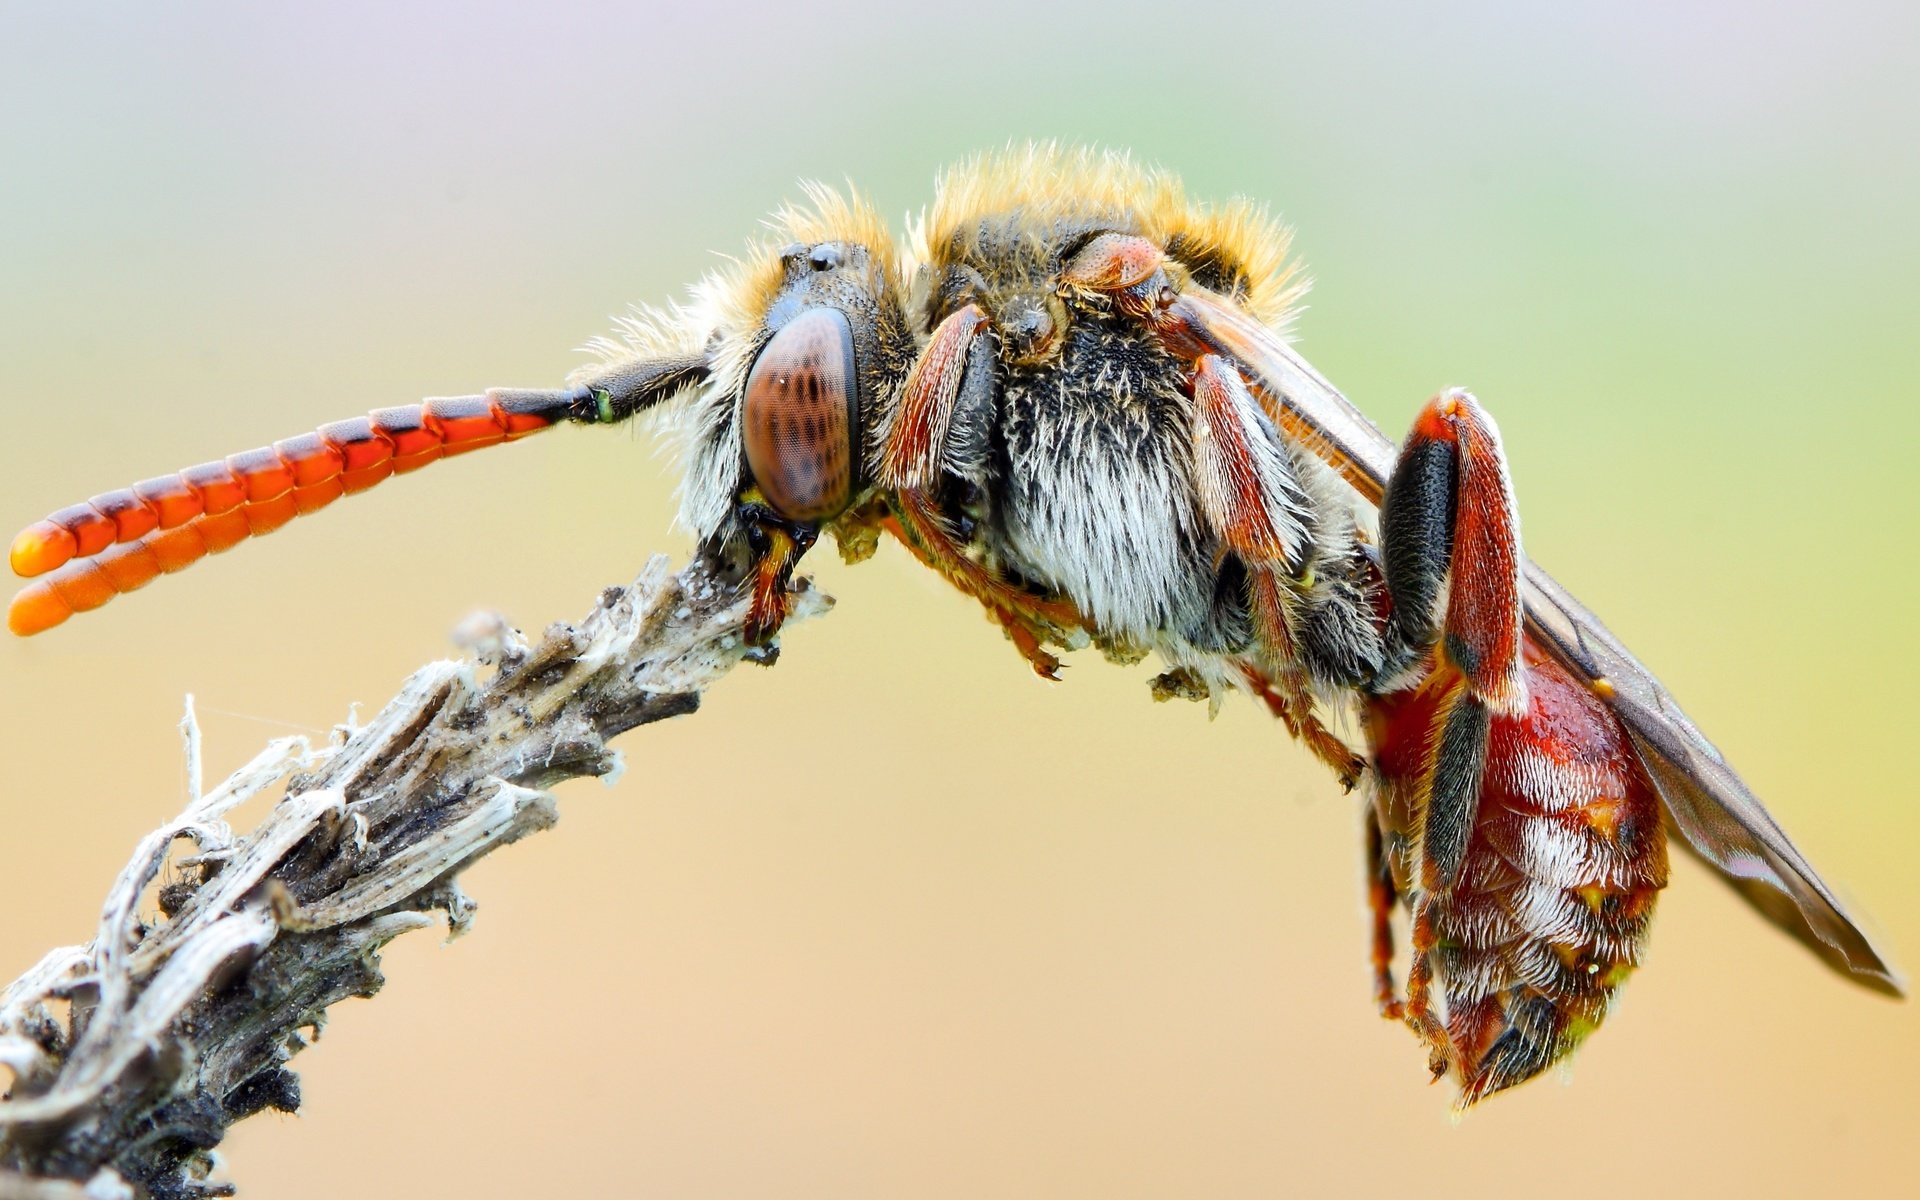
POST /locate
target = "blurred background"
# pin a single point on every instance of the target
(896, 919)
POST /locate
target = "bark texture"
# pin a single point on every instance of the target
(217, 955)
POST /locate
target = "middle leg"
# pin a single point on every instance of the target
(1249, 488)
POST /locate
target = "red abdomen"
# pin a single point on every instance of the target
(1549, 912)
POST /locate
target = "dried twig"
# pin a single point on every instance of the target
(133, 1054)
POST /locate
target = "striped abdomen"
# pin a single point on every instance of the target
(1550, 910)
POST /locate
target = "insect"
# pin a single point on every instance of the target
(1071, 396)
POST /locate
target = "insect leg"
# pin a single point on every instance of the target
(937, 434)
(1382, 898)
(1451, 542)
(777, 545)
(1419, 1011)
(1451, 548)
(1246, 487)
(1287, 697)
(1251, 497)
(1536, 843)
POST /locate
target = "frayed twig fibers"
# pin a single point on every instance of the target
(132, 1055)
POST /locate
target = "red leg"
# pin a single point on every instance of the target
(1029, 621)
(949, 387)
(1450, 541)
(777, 547)
(1537, 845)
(1250, 496)
(1448, 522)
(1245, 484)
(1381, 901)
(1288, 699)
(916, 437)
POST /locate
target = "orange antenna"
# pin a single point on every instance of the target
(87, 554)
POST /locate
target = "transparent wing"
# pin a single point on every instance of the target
(1718, 817)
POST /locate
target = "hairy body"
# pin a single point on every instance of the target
(1072, 397)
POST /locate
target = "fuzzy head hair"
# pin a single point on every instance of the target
(729, 316)
(1236, 248)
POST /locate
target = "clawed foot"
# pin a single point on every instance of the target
(1288, 699)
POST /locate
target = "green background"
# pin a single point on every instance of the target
(895, 919)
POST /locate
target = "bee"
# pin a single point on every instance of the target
(1070, 394)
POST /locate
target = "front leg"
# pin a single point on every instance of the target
(775, 545)
(939, 432)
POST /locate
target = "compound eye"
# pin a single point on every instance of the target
(802, 408)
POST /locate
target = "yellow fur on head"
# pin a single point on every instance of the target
(1043, 180)
(734, 298)
(724, 320)
(1046, 182)
(827, 216)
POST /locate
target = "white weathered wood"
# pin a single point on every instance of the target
(131, 1055)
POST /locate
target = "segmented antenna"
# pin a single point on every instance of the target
(89, 553)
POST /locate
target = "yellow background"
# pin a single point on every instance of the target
(894, 919)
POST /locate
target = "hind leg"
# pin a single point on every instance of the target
(1536, 844)
(1382, 898)
(1451, 556)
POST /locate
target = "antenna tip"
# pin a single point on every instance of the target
(36, 609)
(40, 548)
